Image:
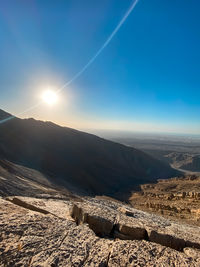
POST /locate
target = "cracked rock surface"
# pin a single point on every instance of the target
(129, 223)
(33, 238)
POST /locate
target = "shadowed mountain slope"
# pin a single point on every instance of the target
(76, 159)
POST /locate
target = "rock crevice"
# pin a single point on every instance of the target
(47, 240)
(117, 225)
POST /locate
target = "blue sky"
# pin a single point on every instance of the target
(147, 78)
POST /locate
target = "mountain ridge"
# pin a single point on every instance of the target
(71, 157)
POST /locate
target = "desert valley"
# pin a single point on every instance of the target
(52, 215)
(99, 133)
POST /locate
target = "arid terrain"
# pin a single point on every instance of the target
(61, 204)
(78, 161)
(99, 133)
(175, 198)
(44, 225)
(91, 232)
(181, 152)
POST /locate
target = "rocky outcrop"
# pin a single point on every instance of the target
(26, 205)
(101, 225)
(130, 224)
(32, 238)
(177, 198)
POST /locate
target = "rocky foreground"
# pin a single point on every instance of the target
(91, 232)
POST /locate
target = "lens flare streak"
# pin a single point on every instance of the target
(78, 74)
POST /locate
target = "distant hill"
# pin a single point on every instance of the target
(193, 164)
(78, 160)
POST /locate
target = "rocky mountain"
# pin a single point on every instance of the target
(79, 161)
(177, 198)
(180, 160)
(17, 180)
(181, 152)
(192, 164)
(44, 224)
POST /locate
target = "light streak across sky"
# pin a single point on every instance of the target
(79, 73)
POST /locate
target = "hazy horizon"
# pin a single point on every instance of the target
(111, 132)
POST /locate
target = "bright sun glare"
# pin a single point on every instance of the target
(49, 97)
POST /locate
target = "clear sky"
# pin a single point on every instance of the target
(147, 78)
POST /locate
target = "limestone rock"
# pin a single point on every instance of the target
(32, 238)
(137, 226)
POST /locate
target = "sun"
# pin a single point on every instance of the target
(50, 97)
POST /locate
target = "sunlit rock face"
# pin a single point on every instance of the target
(177, 198)
(91, 232)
